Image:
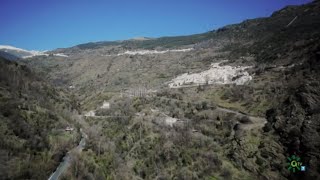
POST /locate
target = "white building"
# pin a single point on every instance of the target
(90, 114)
(105, 105)
(68, 128)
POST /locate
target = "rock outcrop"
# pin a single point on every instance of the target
(297, 120)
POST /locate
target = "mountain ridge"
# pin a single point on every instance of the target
(193, 129)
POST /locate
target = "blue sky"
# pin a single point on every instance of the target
(50, 24)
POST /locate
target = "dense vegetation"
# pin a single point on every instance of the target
(142, 145)
(33, 116)
(208, 141)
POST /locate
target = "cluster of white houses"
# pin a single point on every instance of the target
(215, 75)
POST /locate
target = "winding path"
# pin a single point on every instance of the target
(255, 122)
(66, 162)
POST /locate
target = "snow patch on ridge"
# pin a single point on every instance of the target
(145, 52)
(22, 53)
(11, 47)
(61, 55)
(44, 54)
(215, 75)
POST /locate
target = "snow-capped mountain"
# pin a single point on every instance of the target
(22, 53)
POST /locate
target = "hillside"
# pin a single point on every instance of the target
(33, 116)
(232, 103)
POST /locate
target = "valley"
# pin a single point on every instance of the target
(231, 103)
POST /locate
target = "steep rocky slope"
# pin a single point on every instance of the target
(33, 116)
(296, 120)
